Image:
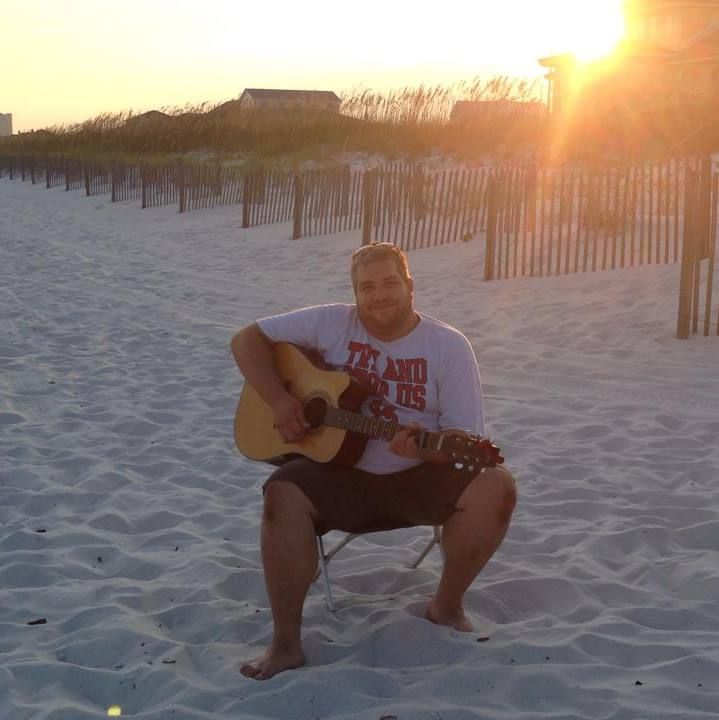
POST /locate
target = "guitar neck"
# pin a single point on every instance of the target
(375, 428)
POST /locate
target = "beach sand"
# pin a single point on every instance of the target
(129, 523)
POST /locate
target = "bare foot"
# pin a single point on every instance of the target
(272, 662)
(455, 619)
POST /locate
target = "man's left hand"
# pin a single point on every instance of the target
(404, 443)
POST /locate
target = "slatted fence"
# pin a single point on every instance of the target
(327, 201)
(7, 166)
(556, 221)
(158, 185)
(698, 311)
(98, 179)
(209, 186)
(55, 172)
(74, 174)
(413, 209)
(38, 171)
(126, 182)
(267, 198)
(317, 201)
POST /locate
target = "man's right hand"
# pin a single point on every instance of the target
(289, 419)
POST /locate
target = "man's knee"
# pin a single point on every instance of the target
(505, 490)
(282, 497)
(496, 487)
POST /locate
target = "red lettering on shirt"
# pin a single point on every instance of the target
(371, 380)
(381, 409)
(354, 348)
(411, 396)
(409, 375)
(390, 372)
(362, 355)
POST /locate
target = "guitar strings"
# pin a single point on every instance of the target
(319, 405)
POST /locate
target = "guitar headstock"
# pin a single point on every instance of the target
(471, 452)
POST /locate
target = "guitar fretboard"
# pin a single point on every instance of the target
(375, 428)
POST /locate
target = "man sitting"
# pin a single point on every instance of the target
(423, 374)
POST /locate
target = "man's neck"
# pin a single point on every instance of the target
(398, 333)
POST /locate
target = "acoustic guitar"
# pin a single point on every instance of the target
(338, 432)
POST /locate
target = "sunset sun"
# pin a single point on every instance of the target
(588, 29)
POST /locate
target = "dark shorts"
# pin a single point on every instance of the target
(356, 501)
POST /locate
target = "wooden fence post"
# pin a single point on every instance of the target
(369, 182)
(218, 181)
(346, 184)
(711, 253)
(181, 187)
(246, 196)
(491, 227)
(86, 172)
(703, 233)
(143, 185)
(688, 256)
(298, 207)
(530, 194)
(704, 216)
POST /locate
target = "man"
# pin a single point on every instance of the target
(422, 373)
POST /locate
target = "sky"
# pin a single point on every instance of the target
(71, 60)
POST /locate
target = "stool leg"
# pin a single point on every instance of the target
(436, 540)
(329, 599)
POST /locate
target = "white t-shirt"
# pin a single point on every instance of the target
(429, 376)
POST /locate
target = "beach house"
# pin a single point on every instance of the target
(5, 124)
(307, 100)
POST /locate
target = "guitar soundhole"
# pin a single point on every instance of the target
(315, 409)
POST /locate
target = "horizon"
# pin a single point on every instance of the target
(150, 57)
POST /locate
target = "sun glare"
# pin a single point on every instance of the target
(458, 43)
(589, 29)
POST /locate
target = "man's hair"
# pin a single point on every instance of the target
(379, 251)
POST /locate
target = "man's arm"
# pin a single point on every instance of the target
(253, 353)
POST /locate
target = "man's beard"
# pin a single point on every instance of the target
(390, 317)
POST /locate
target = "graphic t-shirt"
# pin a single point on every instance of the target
(429, 376)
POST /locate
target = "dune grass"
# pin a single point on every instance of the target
(405, 122)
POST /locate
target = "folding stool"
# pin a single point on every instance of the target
(325, 557)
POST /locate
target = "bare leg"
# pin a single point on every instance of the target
(469, 539)
(289, 557)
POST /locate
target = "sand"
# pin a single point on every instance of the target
(129, 523)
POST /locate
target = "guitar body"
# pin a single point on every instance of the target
(331, 401)
(255, 435)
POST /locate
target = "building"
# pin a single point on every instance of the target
(313, 100)
(678, 40)
(5, 124)
(669, 45)
(669, 24)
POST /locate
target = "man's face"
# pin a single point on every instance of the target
(384, 300)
